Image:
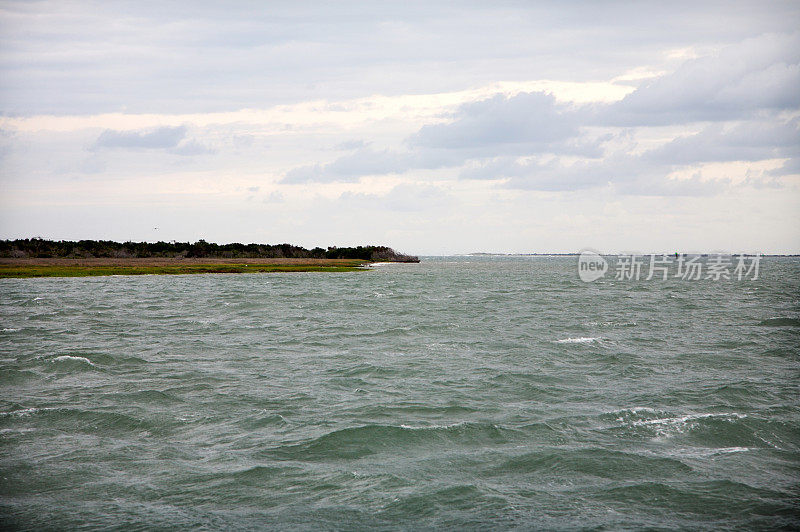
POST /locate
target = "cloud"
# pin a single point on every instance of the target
(532, 119)
(553, 175)
(416, 197)
(626, 174)
(349, 168)
(526, 123)
(713, 93)
(92, 57)
(405, 197)
(351, 145)
(274, 197)
(192, 147)
(789, 167)
(160, 138)
(744, 141)
(534, 142)
(756, 74)
(367, 161)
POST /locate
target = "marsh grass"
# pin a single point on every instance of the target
(82, 270)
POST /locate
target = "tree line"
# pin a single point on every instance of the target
(41, 248)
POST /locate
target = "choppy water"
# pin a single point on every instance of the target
(463, 393)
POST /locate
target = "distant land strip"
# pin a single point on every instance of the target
(47, 258)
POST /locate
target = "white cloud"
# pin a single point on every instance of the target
(163, 137)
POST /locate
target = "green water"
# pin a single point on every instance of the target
(459, 393)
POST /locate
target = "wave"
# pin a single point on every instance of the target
(680, 424)
(84, 421)
(262, 420)
(91, 360)
(146, 397)
(780, 322)
(367, 369)
(693, 495)
(357, 442)
(610, 324)
(71, 358)
(411, 408)
(13, 376)
(431, 503)
(22, 412)
(258, 473)
(650, 417)
(580, 340)
(765, 508)
(595, 462)
(706, 452)
(717, 430)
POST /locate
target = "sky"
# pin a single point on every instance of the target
(431, 127)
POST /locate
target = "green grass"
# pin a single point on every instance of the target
(7, 271)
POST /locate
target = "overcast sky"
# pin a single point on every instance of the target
(434, 128)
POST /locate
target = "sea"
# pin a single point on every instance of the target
(460, 393)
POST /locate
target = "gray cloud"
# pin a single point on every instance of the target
(554, 175)
(350, 168)
(741, 89)
(127, 52)
(533, 119)
(192, 147)
(746, 141)
(524, 124)
(366, 161)
(759, 73)
(161, 138)
(627, 174)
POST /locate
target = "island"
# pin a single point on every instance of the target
(37, 257)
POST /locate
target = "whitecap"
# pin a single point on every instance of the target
(729, 450)
(688, 418)
(579, 340)
(610, 324)
(635, 410)
(436, 427)
(680, 424)
(383, 294)
(706, 452)
(25, 412)
(15, 431)
(64, 358)
(10, 329)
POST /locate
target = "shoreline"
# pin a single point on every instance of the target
(15, 268)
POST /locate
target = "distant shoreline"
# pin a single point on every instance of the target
(578, 254)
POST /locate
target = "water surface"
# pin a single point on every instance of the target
(462, 392)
